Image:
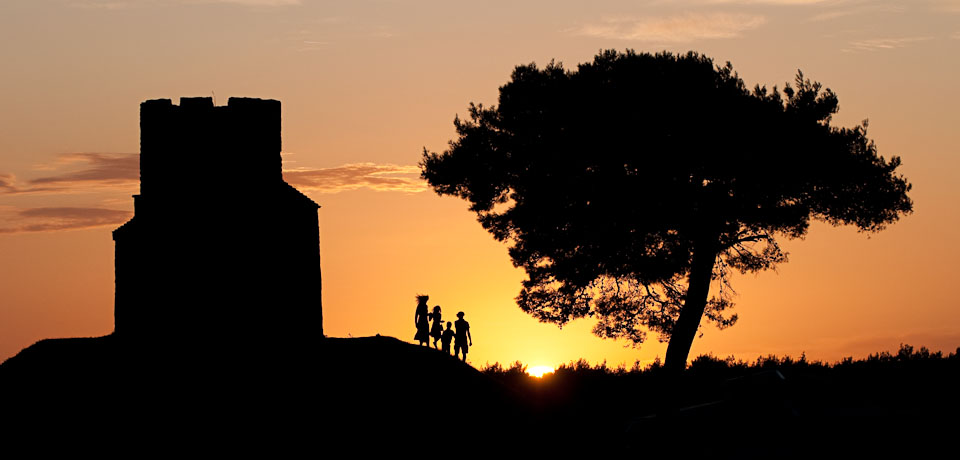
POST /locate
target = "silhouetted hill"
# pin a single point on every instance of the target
(378, 394)
(61, 357)
(382, 385)
(349, 391)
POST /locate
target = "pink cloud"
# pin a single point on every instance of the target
(64, 218)
(380, 177)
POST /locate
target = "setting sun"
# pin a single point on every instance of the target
(539, 371)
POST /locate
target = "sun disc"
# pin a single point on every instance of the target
(539, 371)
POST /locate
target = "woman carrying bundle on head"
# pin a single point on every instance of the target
(422, 320)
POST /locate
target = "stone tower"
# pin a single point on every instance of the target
(219, 247)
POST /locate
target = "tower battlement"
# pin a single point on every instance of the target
(197, 147)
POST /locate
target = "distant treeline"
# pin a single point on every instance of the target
(730, 366)
(915, 383)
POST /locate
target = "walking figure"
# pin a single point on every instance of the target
(437, 329)
(447, 337)
(420, 318)
(463, 334)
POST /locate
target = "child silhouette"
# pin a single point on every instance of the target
(437, 329)
(447, 337)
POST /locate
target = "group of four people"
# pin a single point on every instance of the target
(462, 338)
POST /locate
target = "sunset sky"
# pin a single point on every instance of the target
(365, 86)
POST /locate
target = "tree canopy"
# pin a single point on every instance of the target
(626, 187)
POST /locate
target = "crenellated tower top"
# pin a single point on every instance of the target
(198, 148)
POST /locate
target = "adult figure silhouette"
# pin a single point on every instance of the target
(461, 337)
(421, 319)
(436, 330)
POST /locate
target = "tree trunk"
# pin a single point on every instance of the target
(698, 288)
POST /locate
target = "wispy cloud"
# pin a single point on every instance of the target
(8, 184)
(682, 28)
(57, 219)
(313, 45)
(952, 6)
(879, 44)
(109, 4)
(98, 167)
(119, 171)
(380, 177)
(125, 4)
(258, 2)
(84, 171)
(770, 2)
(857, 11)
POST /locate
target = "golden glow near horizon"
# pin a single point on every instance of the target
(539, 371)
(366, 86)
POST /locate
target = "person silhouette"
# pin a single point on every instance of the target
(463, 333)
(437, 329)
(421, 319)
(447, 337)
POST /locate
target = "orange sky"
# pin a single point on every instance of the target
(366, 85)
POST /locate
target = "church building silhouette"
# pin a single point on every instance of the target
(220, 247)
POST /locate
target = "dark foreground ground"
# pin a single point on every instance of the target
(378, 395)
(886, 406)
(370, 394)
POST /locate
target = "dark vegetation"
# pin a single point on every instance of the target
(773, 406)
